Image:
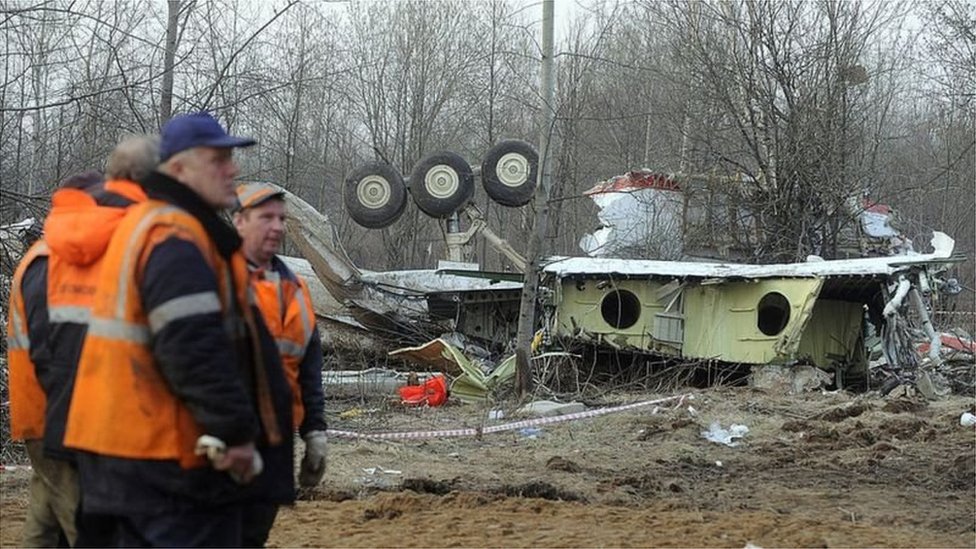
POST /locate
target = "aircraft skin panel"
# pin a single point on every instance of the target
(723, 320)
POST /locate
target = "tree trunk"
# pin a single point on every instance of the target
(166, 95)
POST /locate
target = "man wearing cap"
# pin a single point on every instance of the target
(286, 307)
(173, 391)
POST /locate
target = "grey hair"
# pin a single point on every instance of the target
(133, 158)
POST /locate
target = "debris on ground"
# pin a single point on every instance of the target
(716, 433)
(548, 408)
(792, 380)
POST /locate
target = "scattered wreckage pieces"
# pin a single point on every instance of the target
(799, 378)
(391, 306)
(811, 312)
(362, 383)
(471, 383)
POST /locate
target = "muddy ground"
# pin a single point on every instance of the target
(814, 470)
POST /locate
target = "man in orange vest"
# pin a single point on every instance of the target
(286, 307)
(174, 390)
(50, 303)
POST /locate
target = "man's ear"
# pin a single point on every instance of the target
(176, 165)
(238, 219)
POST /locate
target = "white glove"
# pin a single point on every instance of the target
(316, 455)
(243, 462)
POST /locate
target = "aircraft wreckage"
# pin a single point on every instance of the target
(825, 313)
(844, 316)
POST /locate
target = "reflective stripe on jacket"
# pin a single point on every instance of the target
(286, 305)
(27, 399)
(122, 405)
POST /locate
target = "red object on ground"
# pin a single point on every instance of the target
(432, 392)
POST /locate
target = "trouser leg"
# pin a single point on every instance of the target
(192, 526)
(258, 520)
(62, 481)
(95, 530)
(41, 528)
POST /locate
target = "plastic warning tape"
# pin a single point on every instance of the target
(446, 433)
(580, 415)
(473, 432)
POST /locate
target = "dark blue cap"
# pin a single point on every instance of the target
(196, 130)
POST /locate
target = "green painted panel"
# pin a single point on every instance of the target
(722, 320)
(579, 313)
(833, 333)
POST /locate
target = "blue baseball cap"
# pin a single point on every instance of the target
(200, 129)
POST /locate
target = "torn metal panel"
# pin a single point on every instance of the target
(787, 345)
(322, 300)
(640, 215)
(472, 385)
(437, 354)
(315, 236)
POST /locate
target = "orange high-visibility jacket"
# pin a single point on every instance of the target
(77, 231)
(286, 305)
(27, 399)
(121, 405)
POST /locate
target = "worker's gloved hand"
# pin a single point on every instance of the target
(242, 462)
(316, 455)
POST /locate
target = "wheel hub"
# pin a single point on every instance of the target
(442, 181)
(512, 169)
(373, 192)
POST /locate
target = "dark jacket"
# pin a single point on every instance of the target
(182, 349)
(77, 233)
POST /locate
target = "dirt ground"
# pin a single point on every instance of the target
(814, 470)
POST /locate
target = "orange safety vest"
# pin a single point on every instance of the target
(27, 398)
(142, 419)
(286, 306)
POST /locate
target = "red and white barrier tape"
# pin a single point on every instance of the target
(477, 431)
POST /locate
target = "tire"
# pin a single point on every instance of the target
(441, 184)
(510, 171)
(374, 195)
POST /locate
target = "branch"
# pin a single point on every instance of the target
(22, 12)
(238, 51)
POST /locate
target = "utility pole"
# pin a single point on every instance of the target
(526, 325)
(169, 58)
